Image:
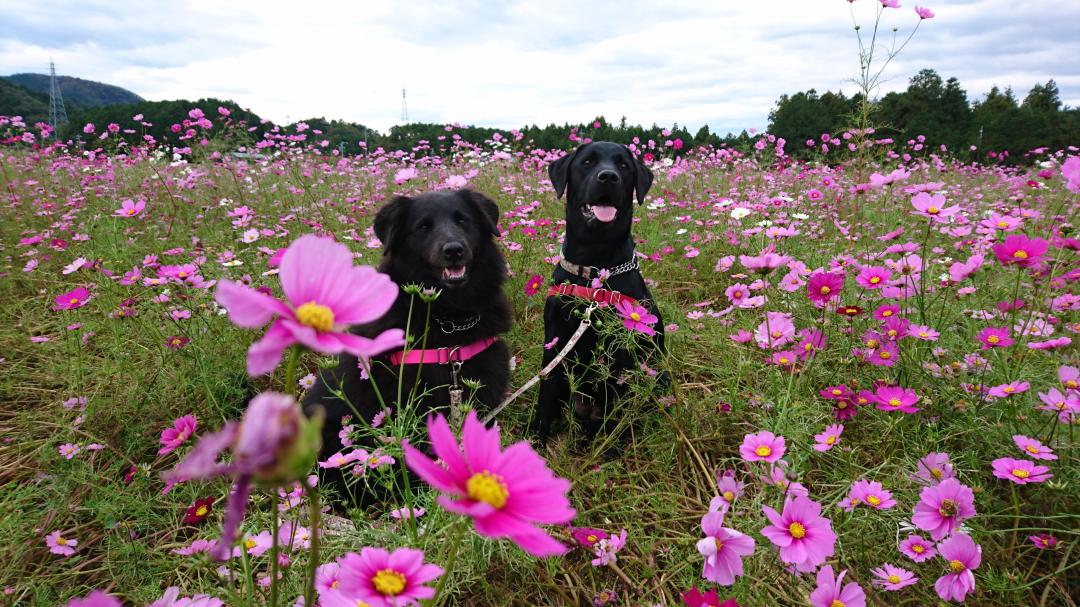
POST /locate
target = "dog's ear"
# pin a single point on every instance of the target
(485, 209)
(643, 179)
(389, 220)
(559, 172)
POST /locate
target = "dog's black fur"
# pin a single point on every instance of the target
(427, 240)
(607, 174)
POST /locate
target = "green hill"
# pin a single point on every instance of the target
(76, 91)
(18, 100)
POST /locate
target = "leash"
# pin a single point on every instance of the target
(586, 322)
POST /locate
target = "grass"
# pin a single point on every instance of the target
(135, 385)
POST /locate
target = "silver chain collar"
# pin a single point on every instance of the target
(449, 326)
(590, 271)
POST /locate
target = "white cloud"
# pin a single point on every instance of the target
(513, 63)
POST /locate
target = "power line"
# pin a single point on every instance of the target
(404, 108)
(57, 111)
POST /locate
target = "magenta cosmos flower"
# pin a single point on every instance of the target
(182, 429)
(896, 398)
(97, 598)
(379, 578)
(924, 13)
(722, 547)
(636, 318)
(326, 294)
(893, 578)
(1033, 448)
(933, 207)
(1018, 249)
(763, 446)
(827, 439)
(963, 555)
(830, 594)
(505, 492)
(804, 537)
(823, 287)
(870, 493)
(873, 277)
(274, 444)
(994, 337)
(58, 544)
(1020, 471)
(72, 300)
(917, 548)
(130, 208)
(943, 507)
(933, 468)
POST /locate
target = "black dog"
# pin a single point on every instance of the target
(600, 180)
(441, 240)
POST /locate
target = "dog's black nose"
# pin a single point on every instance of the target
(453, 251)
(608, 176)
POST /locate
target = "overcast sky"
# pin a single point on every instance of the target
(506, 63)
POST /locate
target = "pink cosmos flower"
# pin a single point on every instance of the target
(607, 549)
(933, 468)
(1070, 171)
(505, 492)
(587, 536)
(765, 262)
(893, 578)
(890, 3)
(823, 287)
(885, 355)
(1018, 249)
(1043, 541)
(958, 271)
(172, 598)
(1007, 390)
(384, 579)
(896, 398)
(182, 429)
(1033, 448)
(804, 537)
(917, 548)
(763, 446)
(994, 337)
(933, 207)
(325, 293)
(72, 300)
(1069, 376)
(828, 439)
(963, 556)
(1020, 471)
(776, 331)
(830, 594)
(873, 277)
(697, 598)
(196, 547)
(730, 488)
(1065, 405)
(130, 208)
(924, 333)
(636, 318)
(870, 493)
(924, 13)
(69, 450)
(943, 507)
(97, 598)
(58, 544)
(722, 547)
(532, 286)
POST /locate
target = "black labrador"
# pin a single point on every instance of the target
(600, 180)
(444, 241)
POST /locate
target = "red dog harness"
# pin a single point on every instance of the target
(442, 356)
(600, 296)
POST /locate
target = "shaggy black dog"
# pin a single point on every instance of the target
(445, 241)
(600, 180)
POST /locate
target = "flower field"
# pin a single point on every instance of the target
(874, 392)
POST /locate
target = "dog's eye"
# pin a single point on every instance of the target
(424, 226)
(587, 161)
(624, 165)
(461, 219)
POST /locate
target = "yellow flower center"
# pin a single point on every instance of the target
(836, 392)
(1019, 473)
(892, 332)
(894, 579)
(1021, 254)
(1008, 389)
(885, 354)
(894, 402)
(948, 508)
(830, 440)
(933, 210)
(61, 541)
(923, 334)
(729, 496)
(1032, 449)
(1002, 224)
(826, 291)
(488, 488)
(837, 603)
(993, 339)
(592, 539)
(936, 473)
(873, 500)
(887, 313)
(131, 211)
(73, 300)
(784, 360)
(842, 405)
(776, 334)
(1071, 383)
(871, 343)
(201, 511)
(250, 543)
(388, 582)
(635, 316)
(334, 584)
(316, 316)
(737, 295)
(956, 566)
(873, 280)
(763, 451)
(918, 548)
(797, 530)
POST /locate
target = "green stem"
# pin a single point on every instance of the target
(314, 513)
(459, 534)
(274, 528)
(290, 371)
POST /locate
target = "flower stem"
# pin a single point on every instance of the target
(459, 534)
(274, 527)
(290, 371)
(314, 513)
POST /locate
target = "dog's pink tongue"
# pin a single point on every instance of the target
(605, 214)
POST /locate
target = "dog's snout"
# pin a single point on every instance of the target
(608, 176)
(453, 251)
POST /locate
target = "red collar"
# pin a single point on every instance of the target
(442, 356)
(600, 296)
